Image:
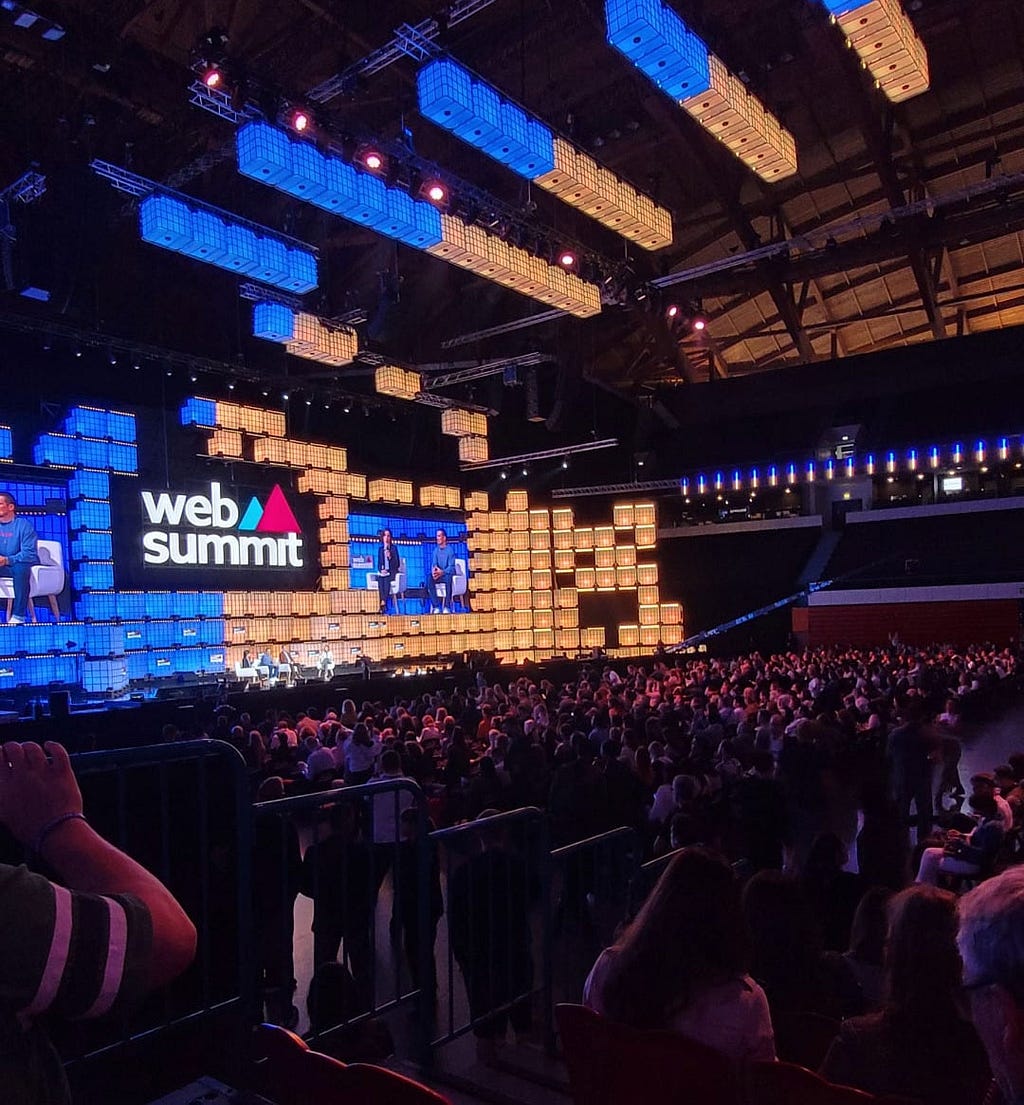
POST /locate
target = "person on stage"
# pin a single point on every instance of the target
(326, 664)
(388, 565)
(18, 554)
(442, 573)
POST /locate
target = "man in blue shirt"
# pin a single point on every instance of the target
(442, 572)
(18, 553)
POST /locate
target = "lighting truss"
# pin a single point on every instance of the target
(408, 41)
(444, 379)
(886, 43)
(654, 38)
(272, 156)
(456, 99)
(259, 293)
(543, 454)
(613, 488)
(203, 232)
(502, 328)
(29, 187)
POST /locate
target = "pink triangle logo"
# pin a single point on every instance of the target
(277, 515)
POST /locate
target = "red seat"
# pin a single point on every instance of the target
(610, 1064)
(292, 1074)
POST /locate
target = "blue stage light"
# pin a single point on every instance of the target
(273, 322)
(199, 412)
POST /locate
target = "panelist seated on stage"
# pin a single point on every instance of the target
(389, 565)
(442, 574)
(18, 554)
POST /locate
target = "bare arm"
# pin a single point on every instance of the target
(34, 791)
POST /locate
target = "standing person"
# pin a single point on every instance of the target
(18, 540)
(388, 565)
(442, 574)
(991, 943)
(913, 747)
(91, 945)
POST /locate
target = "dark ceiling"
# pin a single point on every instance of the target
(115, 87)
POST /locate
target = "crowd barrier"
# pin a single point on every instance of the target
(471, 928)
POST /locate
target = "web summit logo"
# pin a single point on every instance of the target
(266, 536)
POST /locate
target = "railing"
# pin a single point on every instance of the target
(470, 927)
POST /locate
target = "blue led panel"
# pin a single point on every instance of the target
(273, 322)
(93, 545)
(452, 97)
(85, 484)
(104, 640)
(168, 222)
(97, 605)
(660, 45)
(130, 604)
(841, 7)
(334, 186)
(6, 443)
(199, 412)
(93, 575)
(104, 676)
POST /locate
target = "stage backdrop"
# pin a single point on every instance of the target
(188, 540)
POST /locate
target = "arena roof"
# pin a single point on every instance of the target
(903, 222)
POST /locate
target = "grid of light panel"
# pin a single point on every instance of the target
(304, 335)
(470, 108)
(399, 383)
(886, 42)
(657, 41)
(456, 422)
(170, 223)
(270, 155)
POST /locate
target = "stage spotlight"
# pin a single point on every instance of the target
(673, 311)
(194, 378)
(78, 352)
(567, 258)
(309, 402)
(136, 366)
(285, 396)
(434, 191)
(565, 462)
(526, 470)
(231, 385)
(299, 120)
(213, 77)
(504, 474)
(372, 159)
(347, 408)
(700, 323)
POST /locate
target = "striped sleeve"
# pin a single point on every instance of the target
(76, 955)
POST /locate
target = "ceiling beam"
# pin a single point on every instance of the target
(724, 181)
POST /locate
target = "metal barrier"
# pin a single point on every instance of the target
(592, 881)
(496, 871)
(357, 965)
(181, 810)
(647, 876)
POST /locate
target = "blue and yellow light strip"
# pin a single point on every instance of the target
(468, 107)
(655, 39)
(271, 156)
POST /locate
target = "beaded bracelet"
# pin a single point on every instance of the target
(44, 832)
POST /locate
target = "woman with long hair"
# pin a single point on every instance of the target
(681, 964)
(918, 1044)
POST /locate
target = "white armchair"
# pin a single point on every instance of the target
(459, 582)
(249, 676)
(398, 584)
(46, 580)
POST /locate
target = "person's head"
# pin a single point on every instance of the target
(983, 805)
(786, 936)
(270, 789)
(984, 782)
(922, 966)
(361, 734)
(827, 855)
(442, 538)
(390, 762)
(386, 536)
(870, 926)
(8, 506)
(991, 943)
(687, 936)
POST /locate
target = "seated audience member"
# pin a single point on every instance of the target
(917, 1045)
(865, 955)
(991, 943)
(788, 960)
(84, 947)
(832, 892)
(681, 964)
(985, 783)
(966, 855)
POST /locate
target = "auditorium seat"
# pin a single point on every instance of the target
(610, 1064)
(289, 1072)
